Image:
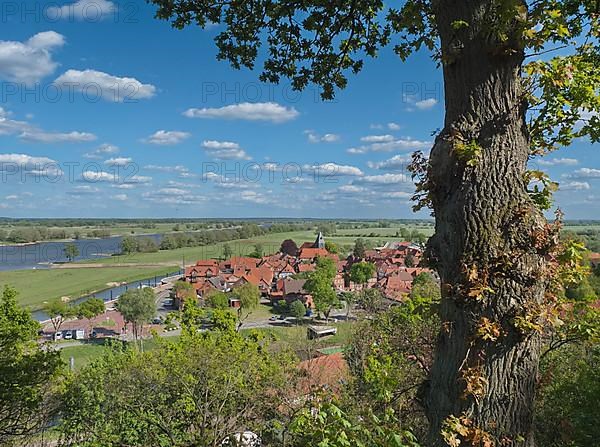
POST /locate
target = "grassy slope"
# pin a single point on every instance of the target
(37, 286)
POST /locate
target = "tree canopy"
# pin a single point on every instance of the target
(27, 373)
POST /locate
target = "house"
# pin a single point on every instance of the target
(291, 290)
(325, 371)
(595, 259)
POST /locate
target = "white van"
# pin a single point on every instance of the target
(79, 334)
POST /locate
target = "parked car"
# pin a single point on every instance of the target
(67, 335)
(58, 336)
(273, 318)
(157, 320)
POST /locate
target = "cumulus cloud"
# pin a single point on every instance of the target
(558, 162)
(96, 84)
(378, 138)
(574, 186)
(334, 169)
(584, 173)
(113, 177)
(119, 161)
(397, 162)
(120, 197)
(384, 179)
(314, 137)
(224, 150)
(87, 10)
(29, 61)
(173, 196)
(262, 111)
(426, 104)
(389, 146)
(24, 164)
(9, 126)
(167, 137)
(38, 136)
(101, 151)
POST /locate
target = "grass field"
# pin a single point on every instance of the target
(38, 286)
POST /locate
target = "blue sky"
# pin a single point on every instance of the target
(107, 112)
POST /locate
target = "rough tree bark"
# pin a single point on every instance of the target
(485, 222)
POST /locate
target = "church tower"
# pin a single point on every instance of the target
(320, 242)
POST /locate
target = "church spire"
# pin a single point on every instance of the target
(320, 242)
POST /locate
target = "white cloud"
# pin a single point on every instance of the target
(9, 126)
(120, 197)
(584, 173)
(388, 146)
(385, 179)
(29, 61)
(558, 162)
(101, 151)
(113, 177)
(377, 138)
(178, 168)
(11, 197)
(333, 169)
(317, 138)
(262, 111)
(39, 136)
(167, 137)
(87, 10)
(393, 126)
(574, 186)
(352, 189)
(225, 150)
(96, 84)
(397, 162)
(426, 104)
(23, 163)
(119, 161)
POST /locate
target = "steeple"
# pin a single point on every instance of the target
(320, 242)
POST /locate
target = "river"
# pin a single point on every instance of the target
(42, 254)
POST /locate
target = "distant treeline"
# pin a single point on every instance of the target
(174, 241)
(38, 234)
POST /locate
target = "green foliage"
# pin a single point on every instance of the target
(370, 300)
(129, 245)
(90, 308)
(297, 309)
(249, 296)
(469, 153)
(258, 252)
(362, 272)
(540, 189)
(320, 285)
(59, 311)
(217, 299)
(184, 290)
(28, 372)
(332, 247)
(138, 307)
(196, 391)
(323, 423)
(567, 411)
(227, 251)
(359, 248)
(424, 288)
(71, 251)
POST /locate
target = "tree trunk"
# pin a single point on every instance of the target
(482, 248)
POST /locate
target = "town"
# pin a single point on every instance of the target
(279, 280)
